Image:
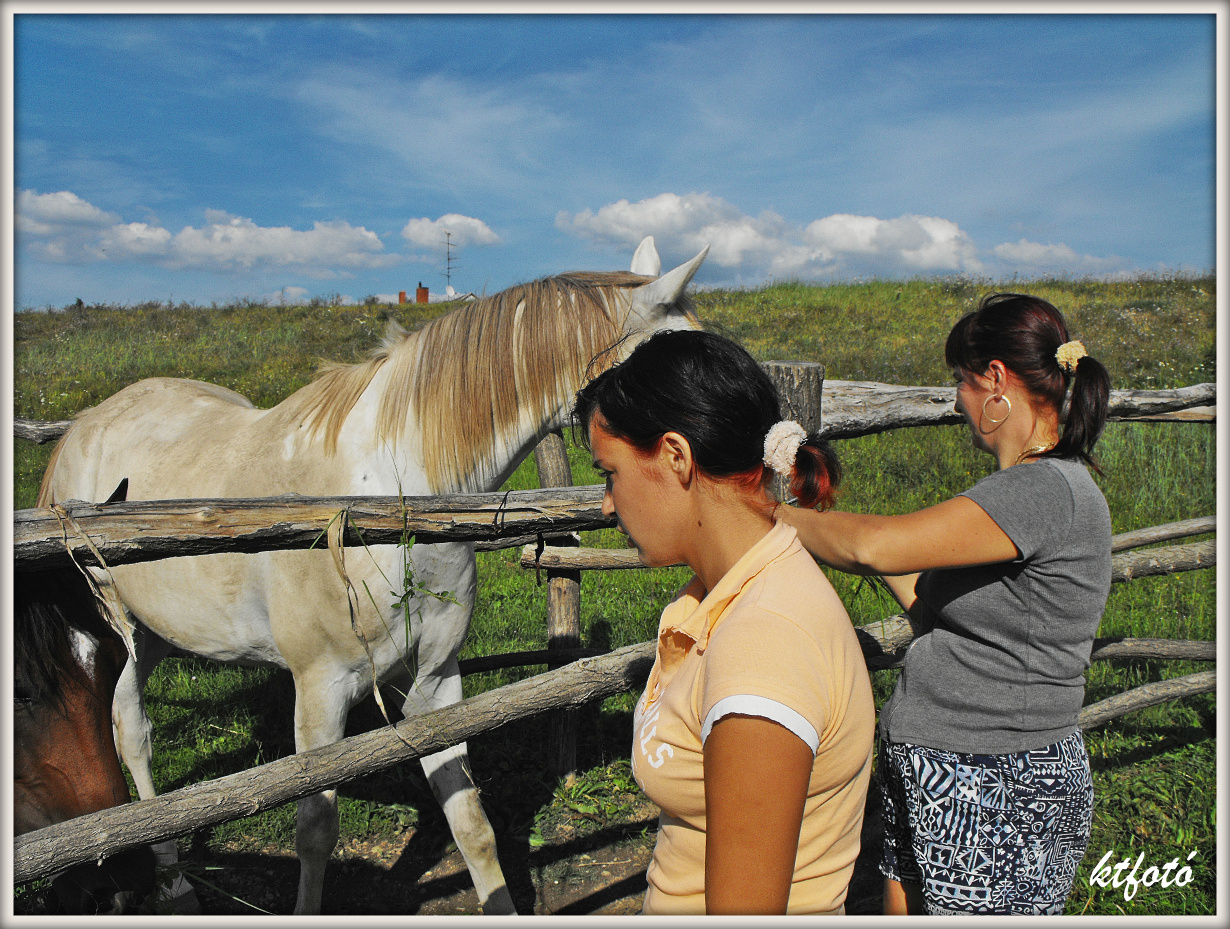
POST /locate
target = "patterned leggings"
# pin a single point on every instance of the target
(987, 833)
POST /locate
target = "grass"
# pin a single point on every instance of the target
(1155, 770)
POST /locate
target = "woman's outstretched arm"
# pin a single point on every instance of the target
(953, 534)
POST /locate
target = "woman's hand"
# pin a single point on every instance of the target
(756, 778)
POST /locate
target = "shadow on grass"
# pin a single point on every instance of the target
(1173, 738)
(508, 766)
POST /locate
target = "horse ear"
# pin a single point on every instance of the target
(666, 289)
(646, 261)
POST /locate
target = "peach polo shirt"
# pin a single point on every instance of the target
(771, 639)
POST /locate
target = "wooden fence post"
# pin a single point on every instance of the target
(799, 384)
(563, 610)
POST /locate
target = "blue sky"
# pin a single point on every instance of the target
(214, 157)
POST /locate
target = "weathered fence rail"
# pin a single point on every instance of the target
(854, 408)
(893, 631)
(1167, 560)
(38, 431)
(146, 530)
(265, 786)
(1164, 533)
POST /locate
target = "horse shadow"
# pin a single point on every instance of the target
(270, 736)
(509, 768)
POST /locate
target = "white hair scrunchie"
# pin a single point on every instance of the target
(781, 446)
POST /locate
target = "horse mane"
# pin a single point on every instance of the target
(540, 336)
(47, 605)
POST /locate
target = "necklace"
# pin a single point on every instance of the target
(1032, 450)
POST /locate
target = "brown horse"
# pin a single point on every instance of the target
(66, 662)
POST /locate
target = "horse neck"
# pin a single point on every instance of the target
(510, 446)
(481, 423)
(512, 449)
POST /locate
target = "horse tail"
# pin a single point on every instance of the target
(44, 489)
(45, 497)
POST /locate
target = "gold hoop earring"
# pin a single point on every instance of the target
(995, 422)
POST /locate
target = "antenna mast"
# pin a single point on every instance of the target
(448, 259)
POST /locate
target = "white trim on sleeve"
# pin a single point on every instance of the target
(750, 705)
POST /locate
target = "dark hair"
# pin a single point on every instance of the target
(1024, 333)
(713, 393)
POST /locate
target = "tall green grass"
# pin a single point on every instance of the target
(1155, 770)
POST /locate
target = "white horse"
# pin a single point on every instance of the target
(453, 407)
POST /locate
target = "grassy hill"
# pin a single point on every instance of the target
(1155, 771)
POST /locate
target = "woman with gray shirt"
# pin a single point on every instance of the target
(987, 792)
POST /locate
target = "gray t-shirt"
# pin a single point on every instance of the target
(1002, 670)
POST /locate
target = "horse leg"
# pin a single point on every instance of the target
(448, 772)
(134, 742)
(321, 705)
(133, 732)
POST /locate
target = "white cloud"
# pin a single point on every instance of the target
(625, 223)
(1034, 255)
(693, 221)
(62, 227)
(767, 245)
(46, 214)
(465, 230)
(134, 239)
(919, 243)
(227, 241)
(753, 248)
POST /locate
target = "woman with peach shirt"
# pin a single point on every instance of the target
(754, 733)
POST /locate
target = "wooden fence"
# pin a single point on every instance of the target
(128, 532)
(854, 408)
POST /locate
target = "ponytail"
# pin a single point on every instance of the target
(807, 462)
(1088, 406)
(816, 474)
